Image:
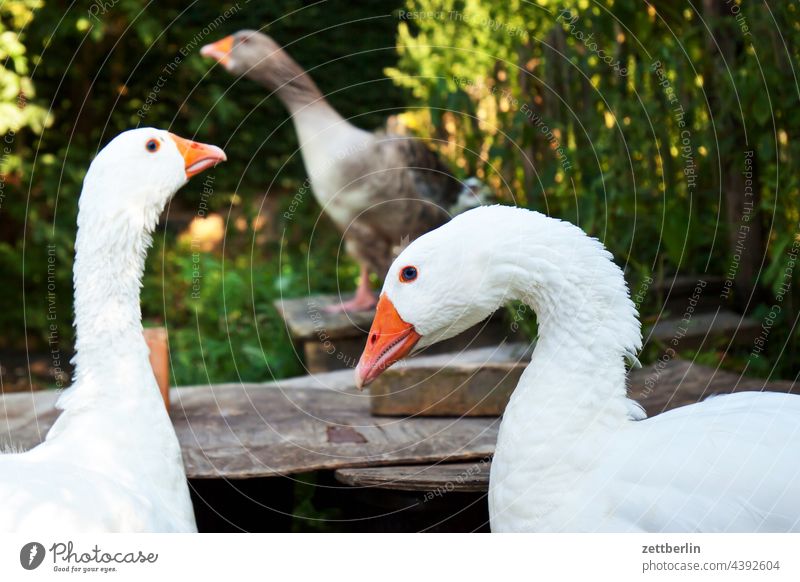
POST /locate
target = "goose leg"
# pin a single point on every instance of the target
(363, 301)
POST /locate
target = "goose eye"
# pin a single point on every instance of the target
(408, 274)
(152, 145)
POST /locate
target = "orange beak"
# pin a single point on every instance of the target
(220, 51)
(197, 156)
(390, 339)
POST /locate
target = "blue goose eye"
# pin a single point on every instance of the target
(408, 274)
(152, 145)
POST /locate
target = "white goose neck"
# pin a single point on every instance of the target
(587, 322)
(109, 263)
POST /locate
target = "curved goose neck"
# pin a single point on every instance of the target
(322, 132)
(587, 322)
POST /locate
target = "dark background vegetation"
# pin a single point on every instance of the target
(87, 72)
(469, 77)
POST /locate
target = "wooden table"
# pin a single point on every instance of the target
(237, 437)
(238, 431)
(250, 450)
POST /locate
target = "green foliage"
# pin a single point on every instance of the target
(221, 319)
(16, 88)
(515, 92)
(99, 68)
(218, 306)
(622, 118)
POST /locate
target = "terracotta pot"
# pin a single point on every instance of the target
(156, 338)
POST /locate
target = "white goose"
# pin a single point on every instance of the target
(573, 452)
(111, 462)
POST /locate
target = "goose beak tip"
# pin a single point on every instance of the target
(390, 339)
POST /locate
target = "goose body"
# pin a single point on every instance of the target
(573, 452)
(111, 462)
(380, 189)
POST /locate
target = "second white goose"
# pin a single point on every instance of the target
(573, 452)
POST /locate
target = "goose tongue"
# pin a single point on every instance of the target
(390, 339)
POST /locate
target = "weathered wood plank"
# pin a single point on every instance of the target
(262, 432)
(705, 329)
(672, 383)
(333, 341)
(307, 319)
(438, 479)
(281, 428)
(459, 390)
(475, 382)
(25, 418)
